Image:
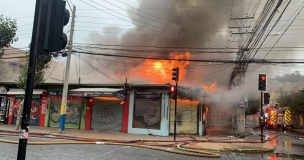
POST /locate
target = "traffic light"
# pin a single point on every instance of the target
(172, 91)
(266, 98)
(56, 17)
(175, 74)
(262, 82)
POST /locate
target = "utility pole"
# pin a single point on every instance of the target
(240, 69)
(66, 79)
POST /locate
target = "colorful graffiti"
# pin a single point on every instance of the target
(73, 112)
(105, 116)
(35, 110)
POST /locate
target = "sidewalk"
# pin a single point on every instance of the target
(228, 144)
(102, 135)
(295, 130)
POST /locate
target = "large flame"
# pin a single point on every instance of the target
(211, 88)
(160, 71)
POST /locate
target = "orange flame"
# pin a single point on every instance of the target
(211, 88)
(160, 71)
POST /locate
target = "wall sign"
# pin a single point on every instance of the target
(119, 94)
(2, 90)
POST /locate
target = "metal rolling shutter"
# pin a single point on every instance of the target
(107, 115)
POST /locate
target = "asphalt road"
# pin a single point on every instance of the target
(287, 148)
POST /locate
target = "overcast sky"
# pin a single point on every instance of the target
(104, 15)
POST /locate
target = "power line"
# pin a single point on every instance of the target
(272, 28)
(198, 7)
(262, 61)
(205, 74)
(285, 23)
(284, 31)
(96, 69)
(163, 32)
(69, 6)
(178, 32)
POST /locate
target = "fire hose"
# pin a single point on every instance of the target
(124, 143)
(140, 143)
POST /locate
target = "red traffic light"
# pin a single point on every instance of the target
(263, 78)
(172, 89)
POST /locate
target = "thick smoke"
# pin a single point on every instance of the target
(181, 23)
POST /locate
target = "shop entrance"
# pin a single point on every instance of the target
(107, 114)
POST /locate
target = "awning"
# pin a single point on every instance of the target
(15, 91)
(98, 92)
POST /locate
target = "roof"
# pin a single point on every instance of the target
(99, 85)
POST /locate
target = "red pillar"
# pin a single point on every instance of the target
(125, 116)
(44, 101)
(88, 116)
(10, 118)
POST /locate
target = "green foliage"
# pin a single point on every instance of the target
(8, 30)
(42, 63)
(294, 101)
(253, 104)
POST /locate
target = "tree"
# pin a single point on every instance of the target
(294, 101)
(253, 106)
(8, 28)
(42, 64)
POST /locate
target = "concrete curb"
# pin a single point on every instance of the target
(296, 131)
(248, 150)
(261, 150)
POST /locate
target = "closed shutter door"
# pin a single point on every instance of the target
(186, 117)
(107, 115)
(73, 112)
(35, 111)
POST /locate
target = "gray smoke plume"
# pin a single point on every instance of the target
(180, 23)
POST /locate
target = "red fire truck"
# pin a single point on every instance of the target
(277, 118)
(271, 118)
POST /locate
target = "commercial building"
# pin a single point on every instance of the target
(136, 108)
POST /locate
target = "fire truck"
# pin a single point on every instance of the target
(271, 118)
(277, 118)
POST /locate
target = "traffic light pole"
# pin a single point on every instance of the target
(262, 119)
(29, 83)
(175, 111)
(66, 79)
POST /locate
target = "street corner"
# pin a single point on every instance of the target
(254, 147)
(233, 147)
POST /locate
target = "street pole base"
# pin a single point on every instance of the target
(60, 131)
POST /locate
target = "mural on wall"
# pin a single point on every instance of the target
(147, 111)
(35, 111)
(73, 112)
(104, 116)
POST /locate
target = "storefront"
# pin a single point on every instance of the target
(3, 105)
(188, 117)
(104, 112)
(74, 110)
(37, 108)
(149, 112)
